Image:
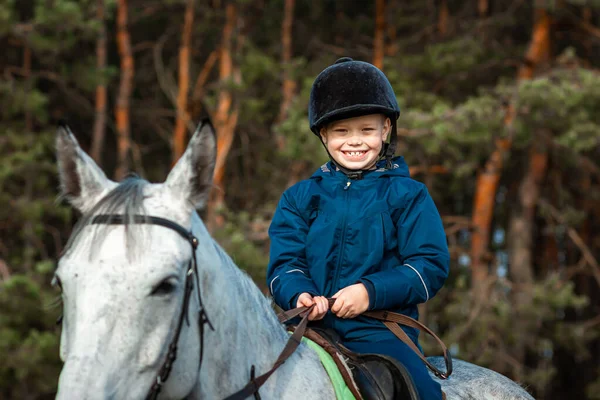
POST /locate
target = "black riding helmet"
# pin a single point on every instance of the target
(350, 89)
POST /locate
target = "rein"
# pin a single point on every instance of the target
(391, 320)
(252, 387)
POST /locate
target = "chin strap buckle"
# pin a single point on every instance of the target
(355, 175)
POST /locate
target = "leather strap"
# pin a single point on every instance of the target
(118, 219)
(292, 344)
(391, 320)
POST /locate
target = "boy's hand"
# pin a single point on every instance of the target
(351, 301)
(306, 300)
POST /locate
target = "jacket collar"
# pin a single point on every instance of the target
(399, 168)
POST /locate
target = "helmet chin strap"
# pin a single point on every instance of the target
(350, 173)
(387, 151)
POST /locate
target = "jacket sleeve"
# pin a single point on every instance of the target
(424, 256)
(287, 274)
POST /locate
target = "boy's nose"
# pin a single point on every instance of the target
(355, 139)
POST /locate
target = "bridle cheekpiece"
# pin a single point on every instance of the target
(165, 370)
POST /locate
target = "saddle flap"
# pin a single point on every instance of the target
(381, 377)
(369, 376)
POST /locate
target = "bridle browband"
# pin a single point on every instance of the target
(165, 370)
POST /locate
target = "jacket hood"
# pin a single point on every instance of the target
(399, 168)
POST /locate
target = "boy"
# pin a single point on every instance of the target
(360, 229)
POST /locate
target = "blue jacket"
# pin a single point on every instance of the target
(383, 230)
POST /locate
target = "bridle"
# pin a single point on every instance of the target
(165, 370)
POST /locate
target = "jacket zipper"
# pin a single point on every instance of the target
(343, 245)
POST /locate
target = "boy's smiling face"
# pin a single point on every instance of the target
(355, 143)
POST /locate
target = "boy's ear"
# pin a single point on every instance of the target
(387, 127)
(323, 133)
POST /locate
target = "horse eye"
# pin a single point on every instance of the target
(57, 283)
(165, 287)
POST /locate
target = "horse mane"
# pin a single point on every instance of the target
(127, 199)
(255, 303)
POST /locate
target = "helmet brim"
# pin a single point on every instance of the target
(357, 110)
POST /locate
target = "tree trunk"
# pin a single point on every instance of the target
(227, 111)
(489, 177)
(4, 271)
(539, 47)
(288, 88)
(339, 16)
(198, 94)
(100, 116)
(443, 18)
(520, 248)
(183, 117)
(392, 47)
(483, 8)
(379, 38)
(124, 95)
(522, 219)
(587, 16)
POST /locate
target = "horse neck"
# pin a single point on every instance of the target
(246, 330)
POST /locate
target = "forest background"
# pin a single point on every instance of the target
(501, 120)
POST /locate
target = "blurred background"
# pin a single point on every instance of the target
(501, 120)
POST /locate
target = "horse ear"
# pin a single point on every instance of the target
(192, 176)
(82, 182)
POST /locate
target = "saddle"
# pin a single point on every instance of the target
(368, 376)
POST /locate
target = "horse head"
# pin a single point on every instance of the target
(124, 284)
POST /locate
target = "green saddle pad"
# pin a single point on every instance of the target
(342, 391)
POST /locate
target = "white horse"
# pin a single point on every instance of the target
(123, 289)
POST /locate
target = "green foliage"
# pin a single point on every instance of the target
(6, 16)
(300, 143)
(28, 340)
(236, 238)
(86, 76)
(17, 98)
(453, 56)
(28, 335)
(258, 106)
(564, 102)
(496, 325)
(61, 27)
(590, 3)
